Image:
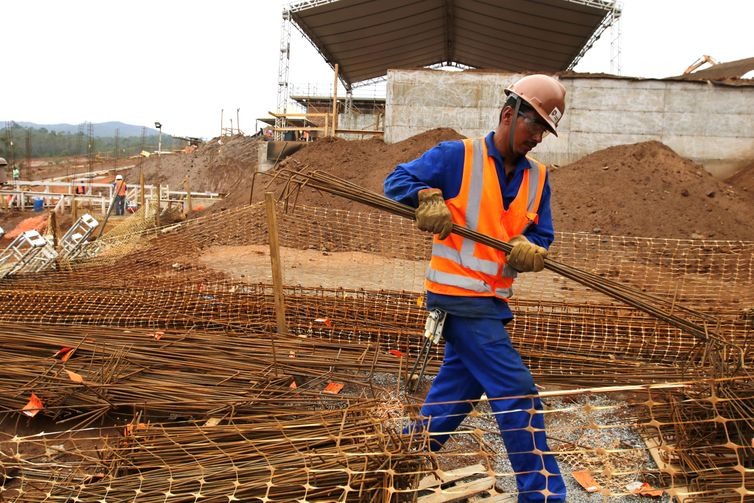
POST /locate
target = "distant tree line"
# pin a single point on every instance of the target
(16, 141)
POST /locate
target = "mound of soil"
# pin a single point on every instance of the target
(642, 189)
(743, 180)
(646, 189)
(221, 165)
(363, 162)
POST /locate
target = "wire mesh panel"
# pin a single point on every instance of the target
(161, 354)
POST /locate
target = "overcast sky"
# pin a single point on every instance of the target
(181, 62)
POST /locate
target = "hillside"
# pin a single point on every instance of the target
(99, 129)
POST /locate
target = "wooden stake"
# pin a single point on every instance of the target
(142, 196)
(187, 188)
(277, 267)
(54, 228)
(335, 101)
(157, 213)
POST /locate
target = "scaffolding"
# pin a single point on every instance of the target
(29, 251)
(75, 241)
(611, 18)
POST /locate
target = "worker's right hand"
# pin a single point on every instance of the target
(432, 214)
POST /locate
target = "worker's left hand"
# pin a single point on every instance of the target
(525, 255)
(432, 214)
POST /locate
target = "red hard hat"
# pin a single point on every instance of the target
(544, 94)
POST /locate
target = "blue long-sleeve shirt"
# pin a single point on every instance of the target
(442, 167)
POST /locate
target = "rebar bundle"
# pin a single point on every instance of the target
(179, 374)
(332, 455)
(656, 306)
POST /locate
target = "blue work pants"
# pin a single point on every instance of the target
(120, 205)
(479, 358)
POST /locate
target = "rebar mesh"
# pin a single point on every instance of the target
(174, 327)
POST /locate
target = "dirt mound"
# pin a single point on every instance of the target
(743, 180)
(646, 189)
(643, 189)
(364, 162)
(220, 165)
(37, 222)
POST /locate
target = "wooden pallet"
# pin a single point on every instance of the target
(462, 484)
(680, 494)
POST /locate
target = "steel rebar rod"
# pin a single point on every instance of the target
(640, 300)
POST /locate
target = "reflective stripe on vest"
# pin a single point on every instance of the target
(464, 255)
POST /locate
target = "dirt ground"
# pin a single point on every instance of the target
(357, 270)
(315, 268)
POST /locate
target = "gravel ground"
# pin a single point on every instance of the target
(572, 426)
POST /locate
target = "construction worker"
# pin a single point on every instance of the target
(80, 189)
(120, 189)
(16, 173)
(488, 185)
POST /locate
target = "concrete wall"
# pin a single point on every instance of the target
(360, 121)
(270, 152)
(710, 124)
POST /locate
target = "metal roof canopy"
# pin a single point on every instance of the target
(367, 37)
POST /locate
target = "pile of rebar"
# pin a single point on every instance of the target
(327, 455)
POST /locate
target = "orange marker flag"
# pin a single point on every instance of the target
(73, 376)
(33, 407)
(333, 388)
(584, 478)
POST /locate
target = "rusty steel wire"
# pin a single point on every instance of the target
(332, 455)
(658, 307)
(178, 374)
(168, 343)
(358, 453)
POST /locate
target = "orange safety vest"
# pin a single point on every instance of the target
(120, 188)
(462, 267)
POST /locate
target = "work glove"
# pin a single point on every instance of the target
(432, 214)
(525, 255)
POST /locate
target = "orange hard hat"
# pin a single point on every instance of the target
(544, 94)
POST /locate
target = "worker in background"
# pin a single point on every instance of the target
(488, 185)
(80, 188)
(120, 189)
(16, 173)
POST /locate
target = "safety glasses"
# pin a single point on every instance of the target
(534, 126)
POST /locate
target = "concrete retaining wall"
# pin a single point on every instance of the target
(360, 121)
(710, 124)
